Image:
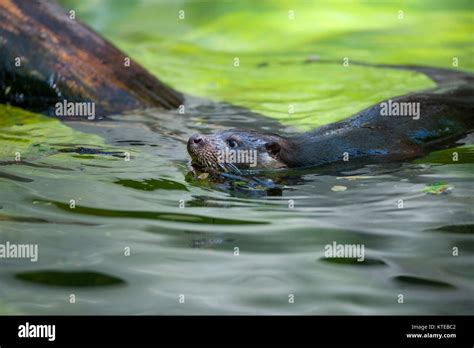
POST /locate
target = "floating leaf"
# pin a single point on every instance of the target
(439, 188)
(338, 188)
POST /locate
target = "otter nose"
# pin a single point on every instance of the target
(196, 140)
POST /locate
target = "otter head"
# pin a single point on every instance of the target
(235, 149)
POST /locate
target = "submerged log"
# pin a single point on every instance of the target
(48, 56)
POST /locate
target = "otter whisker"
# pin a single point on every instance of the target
(222, 166)
(233, 168)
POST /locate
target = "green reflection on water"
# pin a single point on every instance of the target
(61, 278)
(198, 54)
(155, 215)
(152, 184)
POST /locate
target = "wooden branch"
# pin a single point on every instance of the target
(47, 57)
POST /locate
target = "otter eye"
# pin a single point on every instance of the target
(232, 143)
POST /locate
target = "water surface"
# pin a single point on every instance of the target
(136, 204)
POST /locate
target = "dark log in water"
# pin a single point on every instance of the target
(47, 56)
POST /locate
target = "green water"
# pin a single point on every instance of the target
(196, 55)
(181, 233)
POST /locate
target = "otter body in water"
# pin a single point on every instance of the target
(397, 129)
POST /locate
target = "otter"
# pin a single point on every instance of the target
(397, 129)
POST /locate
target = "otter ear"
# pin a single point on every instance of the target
(273, 149)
